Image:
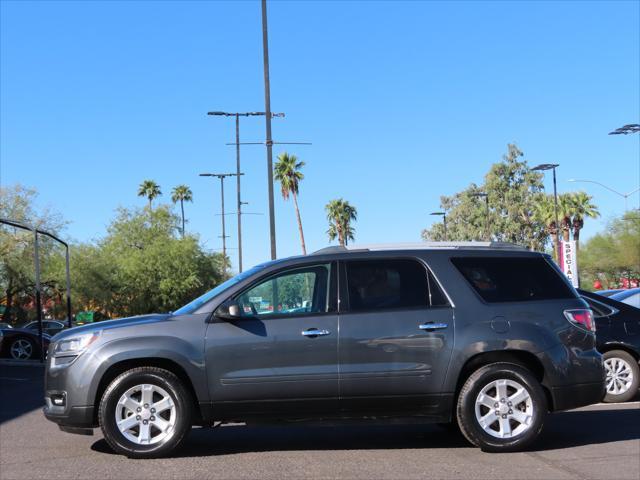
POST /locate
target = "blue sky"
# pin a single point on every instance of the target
(403, 101)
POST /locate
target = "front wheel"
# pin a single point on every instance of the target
(145, 413)
(623, 376)
(501, 408)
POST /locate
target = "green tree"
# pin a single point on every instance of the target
(144, 266)
(512, 189)
(17, 271)
(287, 172)
(614, 254)
(182, 193)
(340, 214)
(149, 189)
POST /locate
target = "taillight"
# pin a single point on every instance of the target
(582, 317)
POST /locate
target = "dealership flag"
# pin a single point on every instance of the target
(569, 262)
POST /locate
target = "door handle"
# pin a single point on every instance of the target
(429, 327)
(314, 332)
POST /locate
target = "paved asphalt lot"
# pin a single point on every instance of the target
(596, 442)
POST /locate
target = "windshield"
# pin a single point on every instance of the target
(193, 305)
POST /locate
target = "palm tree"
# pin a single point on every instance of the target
(582, 207)
(340, 215)
(287, 172)
(544, 212)
(565, 211)
(149, 189)
(182, 193)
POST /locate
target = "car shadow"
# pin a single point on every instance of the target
(21, 389)
(563, 430)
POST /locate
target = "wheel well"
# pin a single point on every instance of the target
(117, 368)
(624, 348)
(519, 357)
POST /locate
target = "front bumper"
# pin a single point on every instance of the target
(81, 417)
(68, 382)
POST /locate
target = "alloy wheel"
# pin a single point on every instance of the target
(619, 375)
(146, 414)
(21, 349)
(504, 408)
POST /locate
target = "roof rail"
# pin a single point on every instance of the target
(331, 249)
(423, 246)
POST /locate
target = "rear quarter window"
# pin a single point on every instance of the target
(513, 279)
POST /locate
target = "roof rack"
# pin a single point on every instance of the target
(423, 246)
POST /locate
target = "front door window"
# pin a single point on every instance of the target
(294, 292)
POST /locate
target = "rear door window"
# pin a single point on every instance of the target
(391, 285)
(513, 279)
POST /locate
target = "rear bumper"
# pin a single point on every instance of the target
(578, 395)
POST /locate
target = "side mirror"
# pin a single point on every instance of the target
(229, 310)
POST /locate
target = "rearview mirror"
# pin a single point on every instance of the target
(229, 310)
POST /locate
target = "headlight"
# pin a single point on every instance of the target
(75, 345)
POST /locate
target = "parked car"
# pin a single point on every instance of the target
(608, 293)
(21, 344)
(618, 338)
(5, 325)
(50, 327)
(630, 297)
(490, 336)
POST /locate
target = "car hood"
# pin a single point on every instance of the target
(109, 324)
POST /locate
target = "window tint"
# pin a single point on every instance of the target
(513, 279)
(390, 284)
(303, 290)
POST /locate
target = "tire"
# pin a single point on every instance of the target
(623, 376)
(517, 425)
(22, 348)
(147, 432)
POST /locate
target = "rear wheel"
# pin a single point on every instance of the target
(623, 376)
(501, 408)
(145, 413)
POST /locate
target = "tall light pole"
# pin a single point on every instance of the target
(626, 129)
(240, 202)
(222, 176)
(552, 166)
(623, 195)
(486, 217)
(444, 221)
(267, 109)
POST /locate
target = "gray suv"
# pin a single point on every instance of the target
(490, 337)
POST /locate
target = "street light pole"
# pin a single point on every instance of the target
(267, 109)
(626, 129)
(239, 199)
(222, 176)
(444, 222)
(552, 166)
(237, 116)
(623, 195)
